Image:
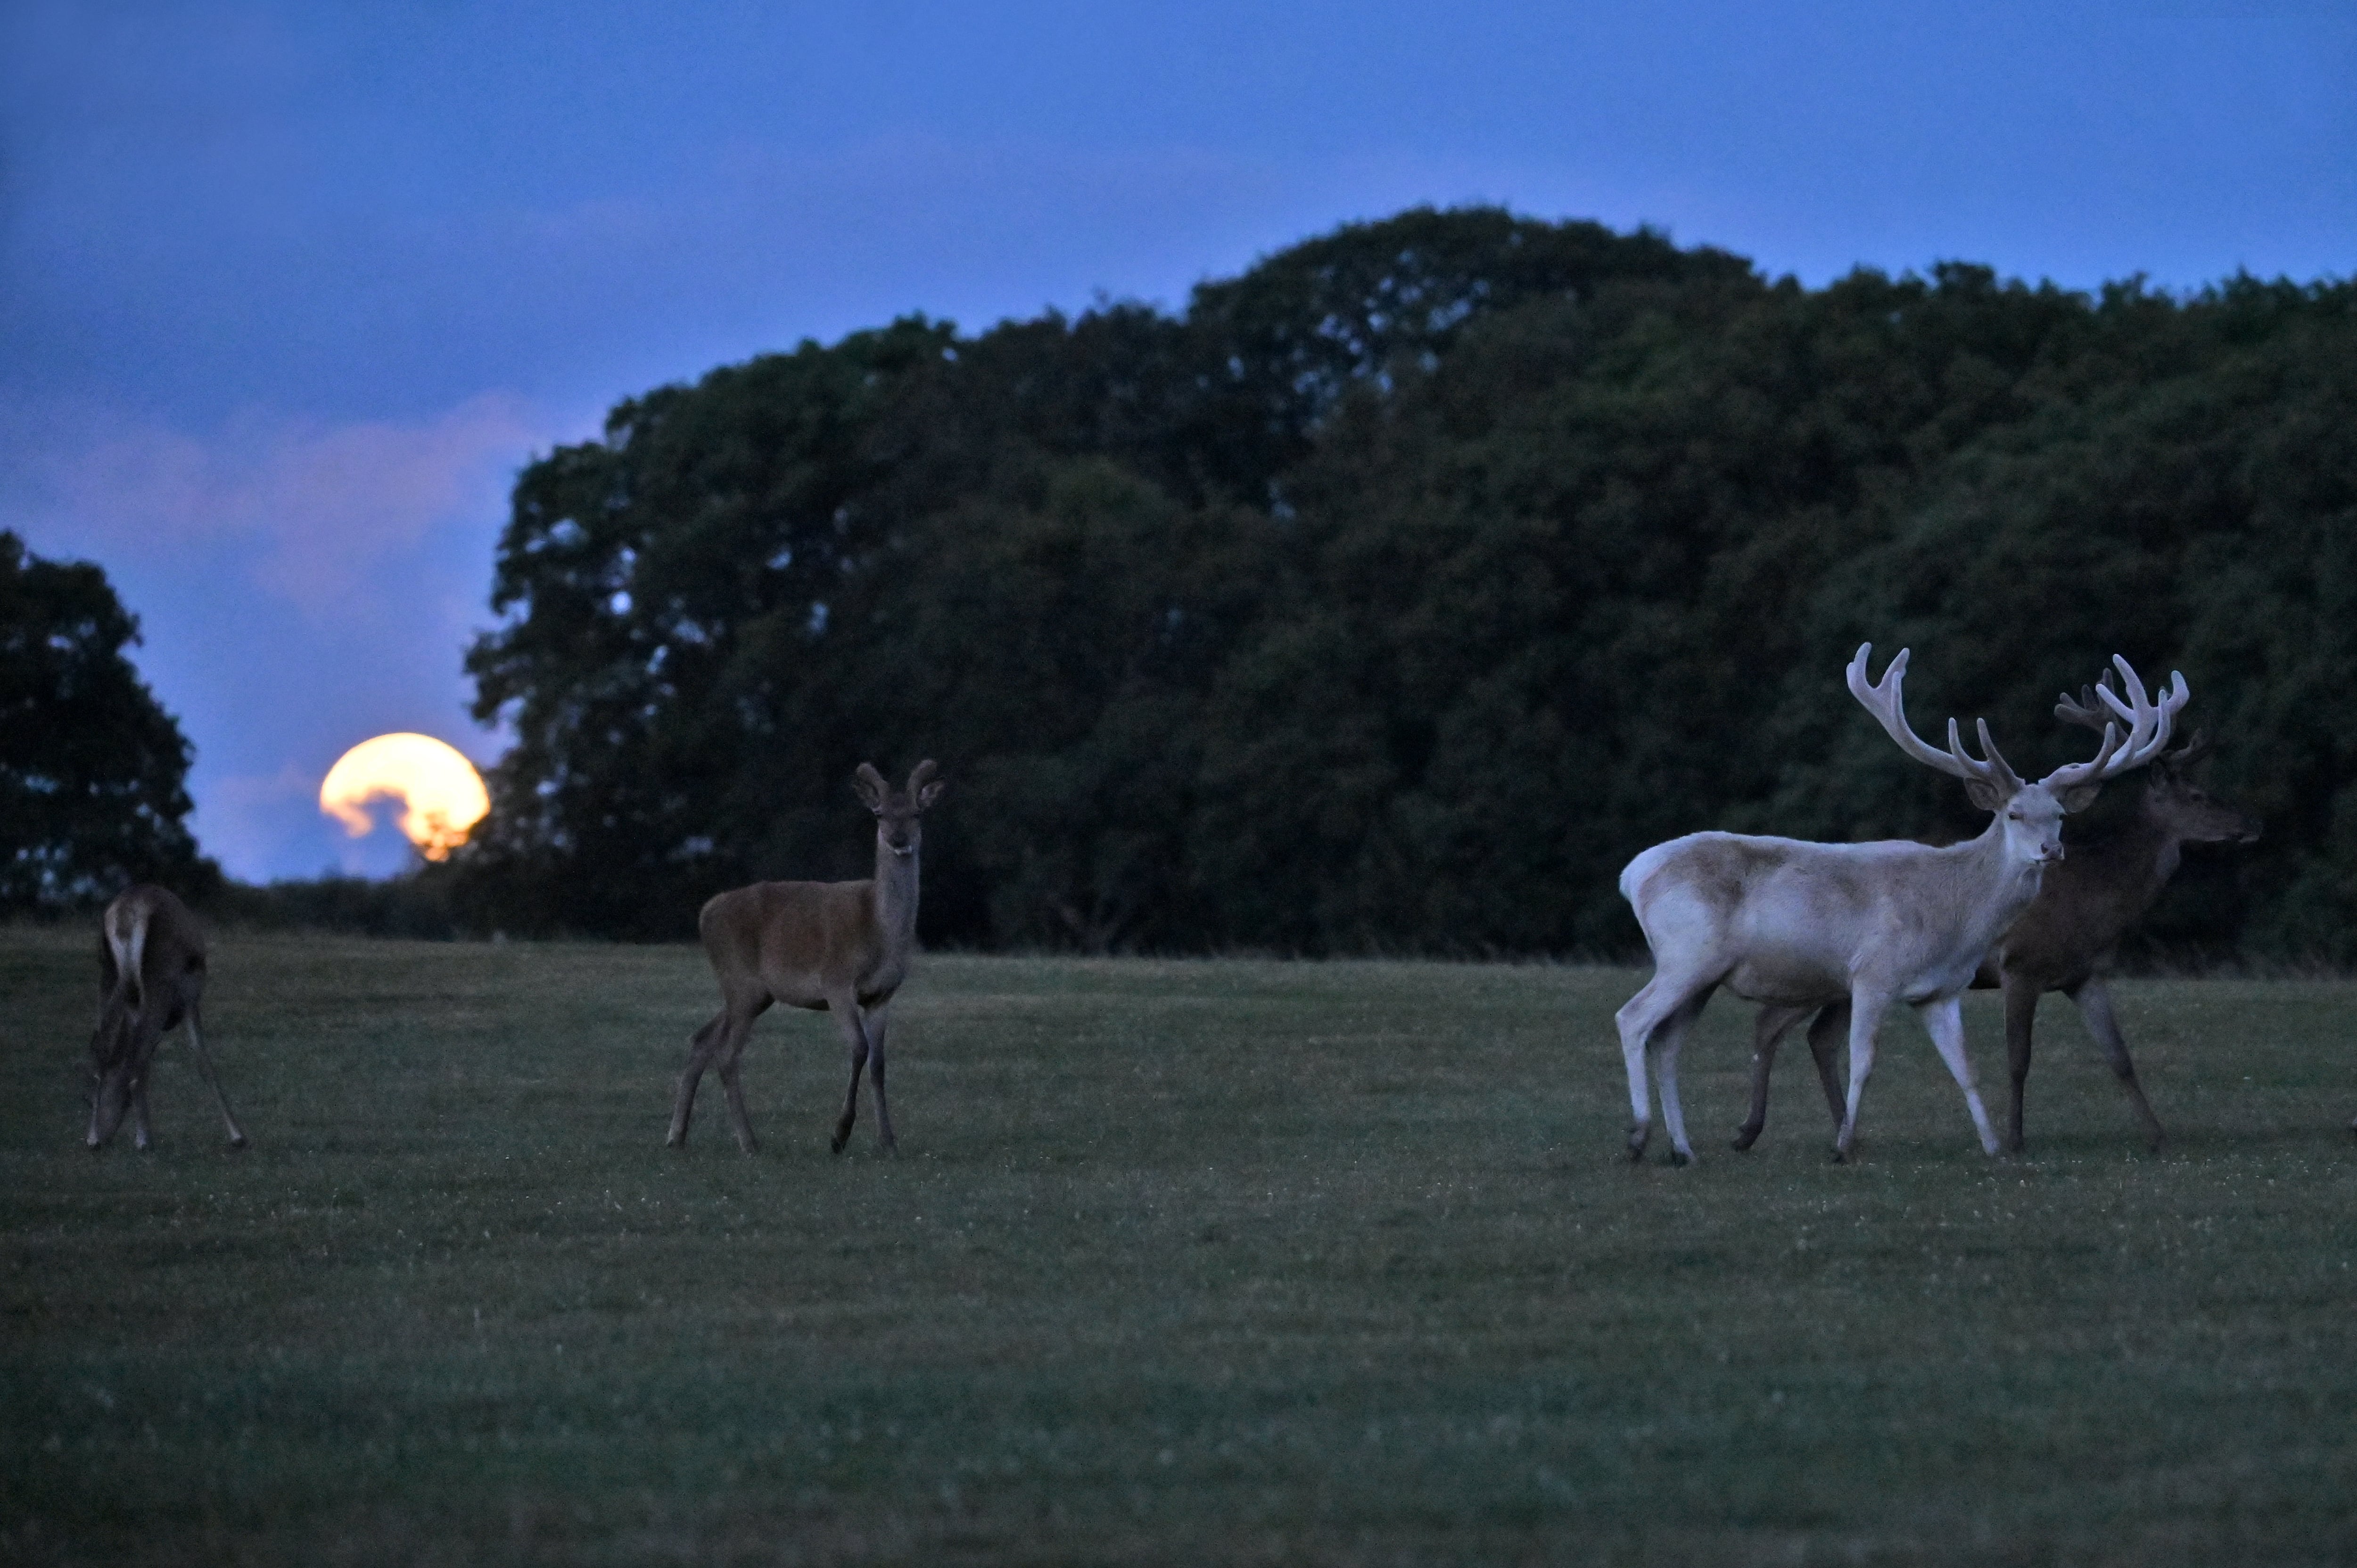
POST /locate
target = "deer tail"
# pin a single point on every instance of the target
(126, 935)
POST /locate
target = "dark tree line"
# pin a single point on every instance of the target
(1399, 590)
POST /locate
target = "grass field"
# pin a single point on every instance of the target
(1180, 1263)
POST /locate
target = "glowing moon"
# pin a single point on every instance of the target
(441, 794)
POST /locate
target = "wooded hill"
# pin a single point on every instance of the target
(1398, 591)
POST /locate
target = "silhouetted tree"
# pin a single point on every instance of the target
(92, 767)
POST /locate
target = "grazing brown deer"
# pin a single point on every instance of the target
(151, 975)
(835, 947)
(1798, 924)
(2065, 940)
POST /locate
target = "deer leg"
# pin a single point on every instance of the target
(1864, 1018)
(727, 1058)
(1945, 1017)
(141, 1138)
(2094, 1002)
(2021, 994)
(212, 1079)
(732, 1086)
(123, 1087)
(1825, 1033)
(701, 1049)
(1768, 1032)
(878, 1020)
(1669, 1041)
(105, 1110)
(1641, 1020)
(847, 1014)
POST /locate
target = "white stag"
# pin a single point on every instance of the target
(835, 947)
(1792, 923)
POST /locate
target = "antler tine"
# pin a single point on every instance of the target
(2149, 726)
(2088, 710)
(2137, 712)
(1885, 701)
(2195, 747)
(2001, 769)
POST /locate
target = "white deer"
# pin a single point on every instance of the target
(1792, 923)
(835, 947)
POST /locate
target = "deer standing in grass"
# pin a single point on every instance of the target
(151, 976)
(835, 947)
(1798, 924)
(2064, 941)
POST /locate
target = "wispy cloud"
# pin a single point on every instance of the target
(312, 506)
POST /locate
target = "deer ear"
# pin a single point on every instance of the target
(2079, 796)
(1985, 795)
(930, 793)
(870, 786)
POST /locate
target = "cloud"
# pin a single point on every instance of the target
(313, 506)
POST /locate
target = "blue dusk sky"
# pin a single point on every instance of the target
(288, 292)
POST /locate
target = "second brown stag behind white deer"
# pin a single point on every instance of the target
(1791, 922)
(841, 948)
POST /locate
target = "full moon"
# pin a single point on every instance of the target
(441, 794)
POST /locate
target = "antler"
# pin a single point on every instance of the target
(2089, 711)
(1884, 700)
(2150, 724)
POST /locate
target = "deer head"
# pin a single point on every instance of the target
(897, 810)
(2031, 814)
(2171, 799)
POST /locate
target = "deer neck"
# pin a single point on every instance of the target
(2154, 849)
(2005, 883)
(896, 889)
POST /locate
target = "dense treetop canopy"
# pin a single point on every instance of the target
(1396, 592)
(92, 768)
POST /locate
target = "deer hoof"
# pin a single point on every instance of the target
(835, 1144)
(1679, 1159)
(1745, 1139)
(1841, 1156)
(238, 1141)
(1636, 1137)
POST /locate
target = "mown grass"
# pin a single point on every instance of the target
(1180, 1263)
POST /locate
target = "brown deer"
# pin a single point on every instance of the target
(836, 947)
(151, 975)
(1796, 924)
(2065, 940)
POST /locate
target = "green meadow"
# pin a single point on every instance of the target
(1180, 1263)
